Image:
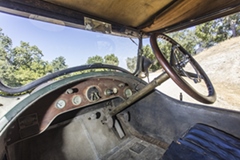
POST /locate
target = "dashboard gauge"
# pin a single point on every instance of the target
(60, 104)
(128, 92)
(93, 94)
(76, 100)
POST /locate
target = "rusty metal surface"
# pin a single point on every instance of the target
(46, 109)
(101, 83)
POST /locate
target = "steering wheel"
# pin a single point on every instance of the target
(175, 68)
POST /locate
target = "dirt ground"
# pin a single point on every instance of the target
(222, 65)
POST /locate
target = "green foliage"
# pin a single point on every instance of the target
(186, 38)
(229, 26)
(213, 32)
(131, 63)
(95, 59)
(58, 64)
(5, 46)
(208, 34)
(24, 63)
(111, 59)
(25, 55)
(108, 59)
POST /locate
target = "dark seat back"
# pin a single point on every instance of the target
(204, 143)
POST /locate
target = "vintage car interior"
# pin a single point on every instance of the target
(114, 114)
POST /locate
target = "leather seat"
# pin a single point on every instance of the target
(204, 143)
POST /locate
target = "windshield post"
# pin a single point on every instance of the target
(139, 56)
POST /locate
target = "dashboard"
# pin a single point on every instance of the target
(73, 96)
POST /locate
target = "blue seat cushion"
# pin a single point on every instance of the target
(204, 143)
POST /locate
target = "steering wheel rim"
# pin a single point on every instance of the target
(176, 77)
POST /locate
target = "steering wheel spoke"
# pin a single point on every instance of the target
(177, 68)
(196, 77)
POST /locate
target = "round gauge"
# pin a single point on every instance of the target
(128, 92)
(76, 100)
(60, 104)
(93, 94)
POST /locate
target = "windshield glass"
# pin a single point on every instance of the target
(31, 49)
(215, 46)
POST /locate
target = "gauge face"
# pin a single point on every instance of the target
(60, 104)
(93, 94)
(128, 92)
(76, 100)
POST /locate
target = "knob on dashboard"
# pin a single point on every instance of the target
(109, 92)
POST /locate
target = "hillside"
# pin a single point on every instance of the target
(222, 65)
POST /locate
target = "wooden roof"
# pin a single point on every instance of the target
(124, 16)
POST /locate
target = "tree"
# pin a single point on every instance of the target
(229, 26)
(95, 59)
(25, 55)
(24, 63)
(108, 59)
(218, 30)
(5, 46)
(186, 38)
(111, 59)
(207, 33)
(131, 63)
(5, 63)
(58, 64)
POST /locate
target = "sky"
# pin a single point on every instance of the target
(74, 44)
